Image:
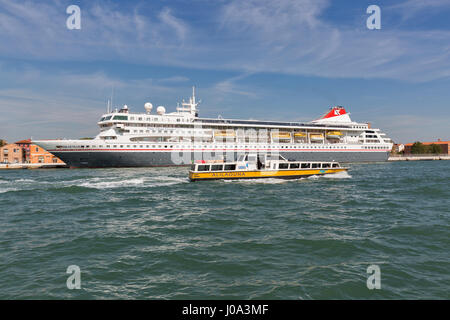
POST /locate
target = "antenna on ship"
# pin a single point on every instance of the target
(194, 104)
(112, 97)
(190, 107)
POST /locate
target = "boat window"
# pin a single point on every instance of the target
(193, 167)
(252, 158)
(335, 165)
(107, 118)
(283, 165)
(203, 167)
(241, 157)
(306, 165)
(216, 167)
(230, 167)
(120, 118)
(326, 165)
(294, 166)
(315, 165)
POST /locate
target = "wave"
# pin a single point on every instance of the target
(8, 190)
(112, 184)
(24, 180)
(161, 181)
(339, 175)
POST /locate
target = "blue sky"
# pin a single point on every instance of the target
(280, 60)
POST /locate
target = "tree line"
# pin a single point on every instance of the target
(420, 148)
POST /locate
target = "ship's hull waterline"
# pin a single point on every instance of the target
(168, 158)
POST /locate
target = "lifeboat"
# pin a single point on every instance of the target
(300, 134)
(224, 133)
(334, 134)
(281, 135)
(316, 136)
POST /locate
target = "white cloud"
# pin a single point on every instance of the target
(411, 8)
(285, 36)
(180, 27)
(274, 19)
(174, 79)
(229, 86)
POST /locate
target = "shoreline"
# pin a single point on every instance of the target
(15, 166)
(418, 157)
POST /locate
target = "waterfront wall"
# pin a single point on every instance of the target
(413, 157)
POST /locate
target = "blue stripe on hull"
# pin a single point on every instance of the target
(150, 159)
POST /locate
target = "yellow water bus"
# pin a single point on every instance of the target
(254, 166)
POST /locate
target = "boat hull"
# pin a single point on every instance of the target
(105, 159)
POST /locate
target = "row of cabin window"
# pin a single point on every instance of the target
(220, 167)
(373, 147)
(116, 117)
(245, 147)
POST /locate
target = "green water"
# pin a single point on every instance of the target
(148, 233)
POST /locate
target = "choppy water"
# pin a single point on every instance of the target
(148, 233)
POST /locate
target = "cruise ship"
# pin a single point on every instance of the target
(146, 139)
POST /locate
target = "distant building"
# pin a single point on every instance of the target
(443, 144)
(11, 153)
(35, 154)
(398, 147)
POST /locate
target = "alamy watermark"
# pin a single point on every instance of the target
(374, 20)
(374, 280)
(74, 280)
(227, 145)
(74, 20)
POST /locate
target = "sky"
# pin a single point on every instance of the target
(269, 60)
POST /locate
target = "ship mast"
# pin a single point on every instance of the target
(191, 106)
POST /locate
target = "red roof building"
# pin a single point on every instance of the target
(443, 144)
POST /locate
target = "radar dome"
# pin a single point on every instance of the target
(160, 110)
(148, 107)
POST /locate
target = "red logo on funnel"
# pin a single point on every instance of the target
(334, 112)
